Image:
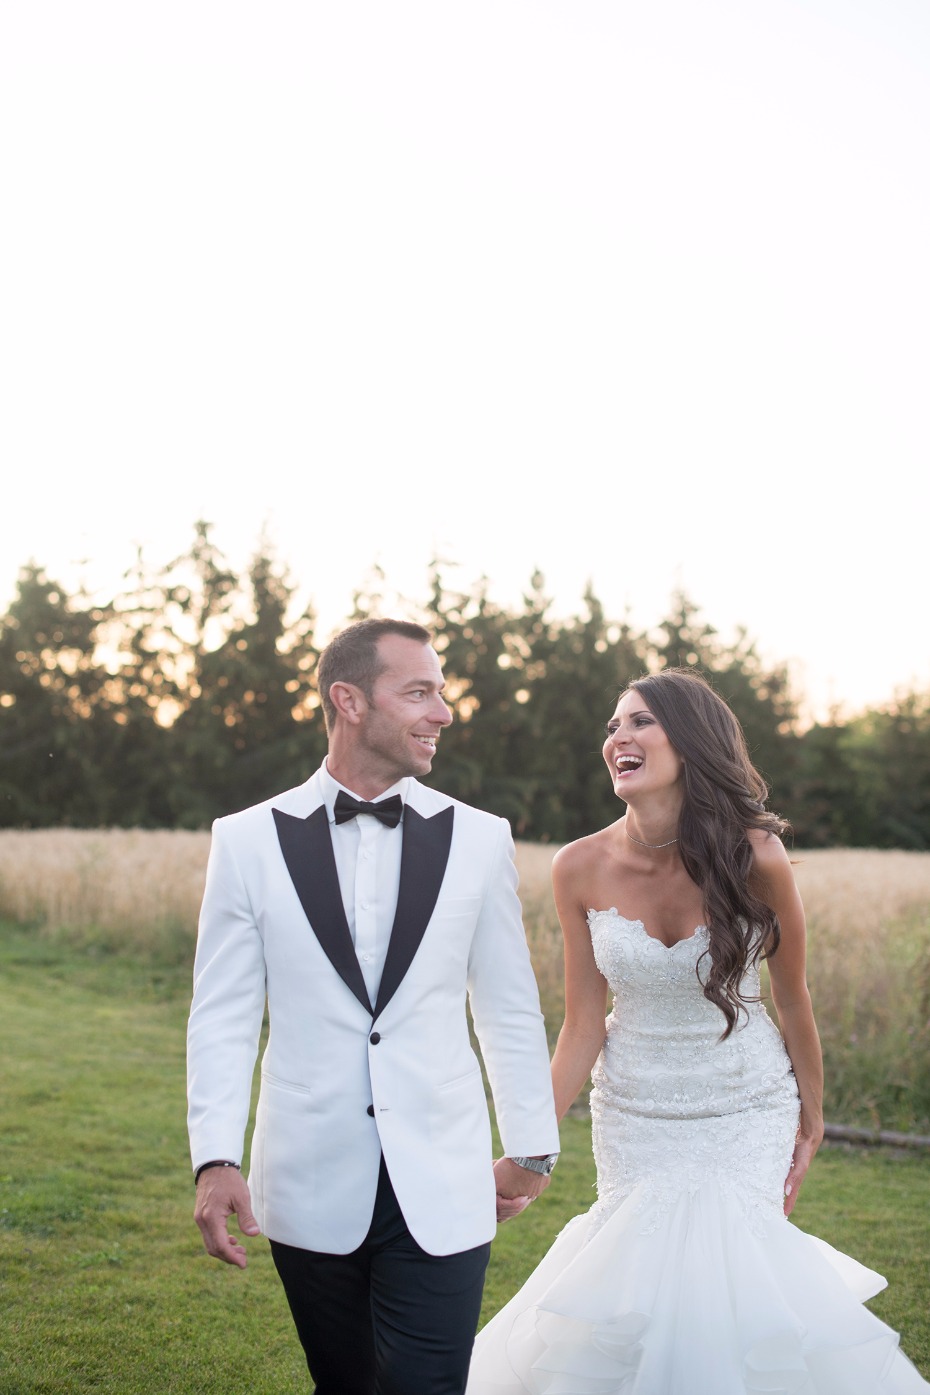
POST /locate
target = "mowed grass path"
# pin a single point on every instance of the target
(103, 1283)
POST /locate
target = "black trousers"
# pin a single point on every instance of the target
(387, 1319)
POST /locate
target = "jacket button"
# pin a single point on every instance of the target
(370, 1111)
(375, 1038)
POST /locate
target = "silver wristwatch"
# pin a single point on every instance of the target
(544, 1165)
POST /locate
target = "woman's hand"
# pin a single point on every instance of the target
(788, 979)
(510, 1206)
(804, 1149)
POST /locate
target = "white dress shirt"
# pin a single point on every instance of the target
(367, 856)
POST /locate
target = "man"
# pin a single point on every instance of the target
(371, 1159)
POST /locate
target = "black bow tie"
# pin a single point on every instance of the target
(388, 810)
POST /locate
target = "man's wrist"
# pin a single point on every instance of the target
(215, 1162)
(543, 1164)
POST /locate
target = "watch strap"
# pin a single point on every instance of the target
(541, 1165)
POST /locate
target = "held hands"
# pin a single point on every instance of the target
(222, 1192)
(516, 1187)
(508, 1207)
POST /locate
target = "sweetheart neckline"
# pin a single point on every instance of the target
(630, 920)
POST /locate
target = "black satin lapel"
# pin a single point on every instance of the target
(423, 859)
(308, 854)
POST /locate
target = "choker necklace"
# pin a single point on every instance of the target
(653, 846)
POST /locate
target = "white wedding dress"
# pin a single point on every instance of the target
(685, 1278)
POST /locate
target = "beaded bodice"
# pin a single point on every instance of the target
(673, 1103)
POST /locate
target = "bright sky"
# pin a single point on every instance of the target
(634, 292)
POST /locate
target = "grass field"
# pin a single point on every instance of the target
(104, 1286)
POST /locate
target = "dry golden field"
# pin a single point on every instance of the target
(868, 917)
(115, 888)
(862, 905)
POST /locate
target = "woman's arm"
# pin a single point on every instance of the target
(788, 977)
(582, 1034)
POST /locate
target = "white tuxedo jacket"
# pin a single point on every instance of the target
(342, 1079)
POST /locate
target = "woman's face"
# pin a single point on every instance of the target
(639, 755)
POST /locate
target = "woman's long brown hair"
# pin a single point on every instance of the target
(724, 798)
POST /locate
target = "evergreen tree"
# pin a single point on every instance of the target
(483, 660)
(250, 724)
(824, 794)
(206, 702)
(50, 687)
(683, 640)
(578, 669)
(889, 751)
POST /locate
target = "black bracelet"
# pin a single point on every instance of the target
(203, 1167)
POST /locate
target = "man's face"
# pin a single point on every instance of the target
(401, 726)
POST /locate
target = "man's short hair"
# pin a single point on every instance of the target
(352, 657)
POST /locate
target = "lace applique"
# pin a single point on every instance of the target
(673, 1106)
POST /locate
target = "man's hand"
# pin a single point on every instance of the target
(222, 1192)
(511, 1181)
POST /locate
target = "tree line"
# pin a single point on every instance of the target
(192, 693)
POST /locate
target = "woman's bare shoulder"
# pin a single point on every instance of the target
(770, 860)
(578, 858)
(767, 848)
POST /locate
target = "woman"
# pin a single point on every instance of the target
(685, 1278)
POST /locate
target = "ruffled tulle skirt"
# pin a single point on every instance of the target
(687, 1299)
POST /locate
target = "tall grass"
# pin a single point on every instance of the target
(869, 931)
(115, 890)
(868, 918)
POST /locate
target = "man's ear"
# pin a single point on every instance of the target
(349, 701)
